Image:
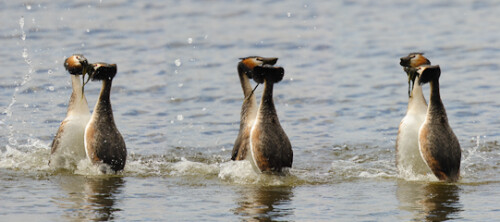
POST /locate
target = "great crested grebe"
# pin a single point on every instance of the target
(408, 156)
(103, 142)
(261, 138)
(68, 146)
(438, 144)
(249, 106)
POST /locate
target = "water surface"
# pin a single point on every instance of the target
(177, 99)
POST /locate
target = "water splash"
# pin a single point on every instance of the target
(478, 159)
(243, 172)
(28, 158)
(409, 175)
(21, 25)
(185, 167)
(26, 78)
(33, 157)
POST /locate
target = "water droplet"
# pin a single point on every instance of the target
(204, 109)
(25, 53)
(289, 14)
(178, 62)
(180, 85)
(51, 88)
(50, 72)
(21, 22)
(28, 7)
(180, 117)
(190, 40)
(83, 44)
(88, 30)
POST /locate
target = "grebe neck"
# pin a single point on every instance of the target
(77, 102)
(267, 111)
(417, 101)
(436, 108)
(103, 105)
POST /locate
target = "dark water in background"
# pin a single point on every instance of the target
(176, 100)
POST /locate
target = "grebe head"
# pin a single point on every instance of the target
(428, 73)
(410, 64)
(102, 71)
(248, 64)
(269, 73)
(414, 60)
(76, 64)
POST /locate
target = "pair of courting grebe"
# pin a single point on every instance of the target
(82, 135)
(261, 138)
(425, 140)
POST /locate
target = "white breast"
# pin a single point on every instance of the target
(250, 153)
(408, 156)
(70, 149)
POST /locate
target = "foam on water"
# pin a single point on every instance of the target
(480, 161)
(34, 156)
(243, 172)
(409, 175)
(25, 158)
(185, 167)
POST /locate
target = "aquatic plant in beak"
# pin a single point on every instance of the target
(85, 70)
(410, 64)
(254, 88)
(412, 74)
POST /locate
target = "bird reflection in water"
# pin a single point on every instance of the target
(90, 198)
(430, 201)
(264, 203)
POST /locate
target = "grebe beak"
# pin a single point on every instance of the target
(268, 61)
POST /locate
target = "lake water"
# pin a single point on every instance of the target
(177, 100)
